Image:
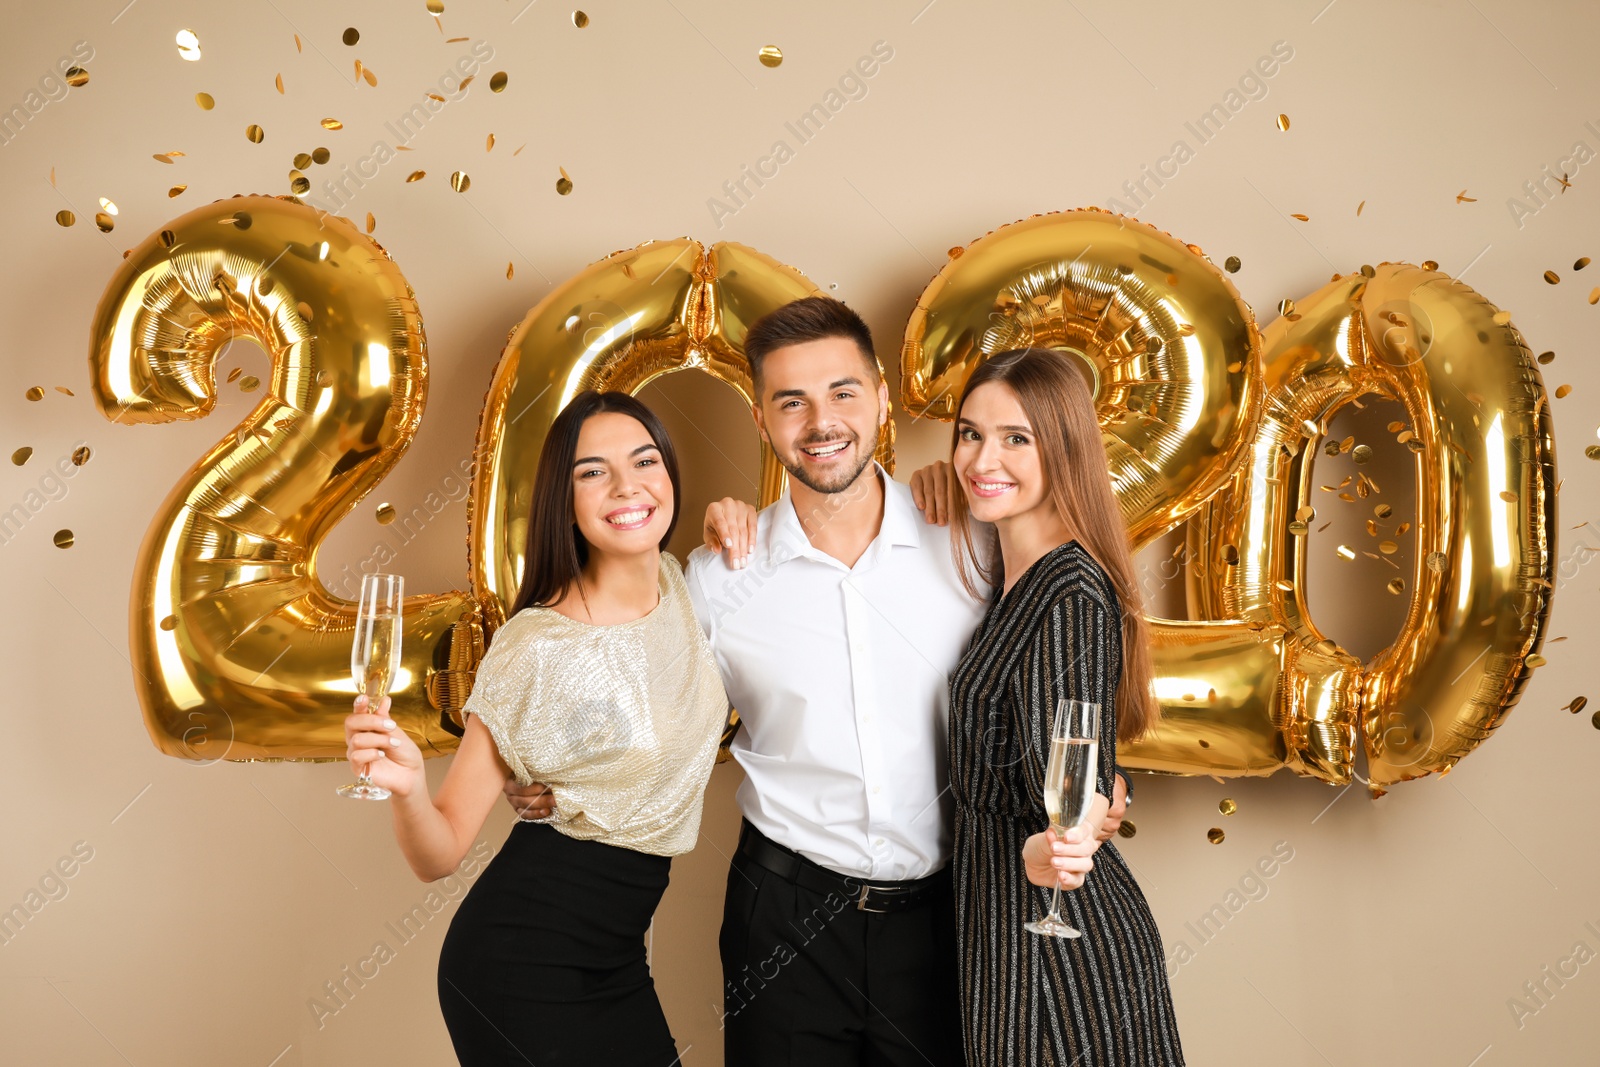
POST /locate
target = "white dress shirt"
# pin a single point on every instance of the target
(841, 678)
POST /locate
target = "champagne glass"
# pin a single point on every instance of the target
(375, 657)
(1069, 779)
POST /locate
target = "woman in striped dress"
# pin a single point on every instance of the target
(1064, 621)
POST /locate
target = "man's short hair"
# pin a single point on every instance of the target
(811, 318)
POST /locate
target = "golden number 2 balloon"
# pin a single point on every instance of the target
(1248, 684)
(240, 651)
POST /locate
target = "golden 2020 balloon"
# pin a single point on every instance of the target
(240, 651)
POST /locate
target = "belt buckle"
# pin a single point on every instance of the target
(861, 901)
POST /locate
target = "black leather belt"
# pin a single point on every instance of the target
(878, 897)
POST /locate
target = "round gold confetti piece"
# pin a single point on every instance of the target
(1330, 448)
(64, 391)
(511, 269)
(1305, 513)
(770, 56)
(1284, 585)
(1298, 528)
(188, 45)
(580, 19)
(1285, 306)
(1595, 720)
(372, 222)
(1345, 552)
(1500, 318)
(1578, 704)
(1436, 562)
(1232, 264)
(77, 76)
(20, 456)
(320, 156)
(1552, 277)
(1368, 271)
(351, 35)
(324, 378)
(385, 514)
(1546, 358)
(435, 7)
(1581, 263)
(1563, 391)
(563, 185)
(233, 375)
(1283, 123)
(299, 183)
(36, 393)
(460, 181)
(1535, 660)
(497, 81)
(1396, 586)
(104, 221)
(254, 134)
(205, 100)
(65, 217)
(63, 538)
(80, 455)
(168, 238)
(1508, 496)
(107, 205)
(1215, 835)
(1388, 548)
(1430, 264)
(1361, 453)
(169, 623)
(1594, 295)
(332, 124)
(1593, 452)
(1127, 829)
(1230, 555)
(1227, 806)
(305, 311)
(416, 176)
(1383, 511)
(302, 160)
(249, 383)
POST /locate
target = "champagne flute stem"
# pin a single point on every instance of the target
(1055, 902)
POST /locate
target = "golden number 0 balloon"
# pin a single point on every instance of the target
(240, 651)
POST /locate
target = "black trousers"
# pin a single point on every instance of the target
(811, 981)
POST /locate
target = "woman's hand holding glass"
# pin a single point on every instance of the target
(378, 748)
(1053, 860)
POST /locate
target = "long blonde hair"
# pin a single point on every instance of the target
(1059, 407)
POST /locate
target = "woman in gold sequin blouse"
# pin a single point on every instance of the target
(600, 684)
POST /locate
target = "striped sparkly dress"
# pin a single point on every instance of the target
(1099, 1000)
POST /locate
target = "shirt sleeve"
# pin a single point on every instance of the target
(500, 691)
(1075, 655)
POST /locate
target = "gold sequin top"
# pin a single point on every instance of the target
(622, 722)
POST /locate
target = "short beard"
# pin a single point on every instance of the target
(841, 482)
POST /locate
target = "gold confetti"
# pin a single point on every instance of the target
(20, 456)
(65, 217)
(302, 160)
(169, 623)
(1436, 562)
(435, 96)
(64, 391)
(1360, 206)
(1230, 555)
(1284, 585)
(104, 221)
(1232, 264)
(36, 393)
(497, 81)
(254, 134)
(385, 514)
(1500, 318)
(1388, 548)
(188, 45)
(1563, 391)
(1578, 704)
(1595, 720)
(1592, 452)
(509, 270)
(297, 46)
(63, 539)
(77, 76)
(1227, 806)
(455, 40)
(233, 375)
(1127, 829)
(579, 19)
(80, 455)
(351, 35)
(1345, 552)
(1535, 660)
(1215, 835)
(435, 8)
(1283, 123)
(1302, 218)
(520, 147)
(1581, 263)
(205, 100)
(320, 156)
(460, 182)
(1508, 496)
(299, 183)
(1285, 306)
(1429, 264)
(1552, 277)
(1463, 198)
(175, 190)
(372, 222)
(468, 80)
(1545, 358)
(249, 383)
(332, 124)
(770, 56)
(278, 81)
(1594, 295)
(488, 146)
(563, 184)
(1361, 453)
(1396, 586)
(372, 79)
(416, 176)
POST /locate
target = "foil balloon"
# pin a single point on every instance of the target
(1168, 347)
(1482, 582)
(239, 651)
(618, 324)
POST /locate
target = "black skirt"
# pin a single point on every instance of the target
(544, 962)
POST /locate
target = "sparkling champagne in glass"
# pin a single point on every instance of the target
(1069, 780)
(375, 656)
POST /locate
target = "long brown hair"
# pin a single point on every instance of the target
(556, 551)
(1059, 407)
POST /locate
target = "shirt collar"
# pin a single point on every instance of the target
(786, 538)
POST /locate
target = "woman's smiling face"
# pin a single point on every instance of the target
(621, 493)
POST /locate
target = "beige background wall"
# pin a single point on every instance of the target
(218, 900)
